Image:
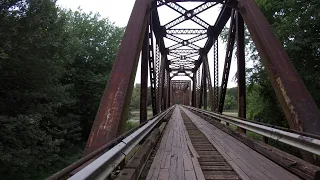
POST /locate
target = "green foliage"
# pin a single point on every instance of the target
(231, 99)
(92, 47)
(131, 124)
(296, 24)
(54, 65)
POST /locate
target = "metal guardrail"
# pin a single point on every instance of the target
(300, 141)
(107, 162)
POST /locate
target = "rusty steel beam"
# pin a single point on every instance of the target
(194, 91)
(113, 110)
(144, 77)
(215, 76)
(204, 80)
(208, 77)
(168, 90)
(214, 32)
(198, 87)
(161, 83)
(201, 89)
(297, 103)
(227, 63)
(152, 70)
(159, 33)
(241, 64)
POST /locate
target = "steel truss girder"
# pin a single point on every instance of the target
(227, 64)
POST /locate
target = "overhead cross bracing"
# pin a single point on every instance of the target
(186, 43)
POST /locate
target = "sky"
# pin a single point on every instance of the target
(118, 11)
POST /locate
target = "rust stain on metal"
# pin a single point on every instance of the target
(294, 114)
(112, 112)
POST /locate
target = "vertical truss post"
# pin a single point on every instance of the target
(198, 88)
(297, 103)
(161, 82)
(201, 89)
(194, 89)
(241, 63)
(168, 90)
(165, 90)
(113, 110)
(227, 63)
(204, 80)
(215, 76)
(205, 62)
(144, 77)
(158, 78)
(152, 70)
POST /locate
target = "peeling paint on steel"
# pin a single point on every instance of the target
(296, 120)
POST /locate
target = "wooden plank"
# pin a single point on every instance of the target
(173, 156)
(190, 175)
(187, 162)
(252, 164)
(164, 174)
(197, 169)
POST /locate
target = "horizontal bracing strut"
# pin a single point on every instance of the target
(186, 31)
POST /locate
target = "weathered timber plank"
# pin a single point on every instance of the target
(252, 164)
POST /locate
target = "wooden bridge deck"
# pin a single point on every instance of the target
(182, 156)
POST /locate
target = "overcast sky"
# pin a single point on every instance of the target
(119, 11)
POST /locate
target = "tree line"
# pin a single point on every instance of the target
(54, 66)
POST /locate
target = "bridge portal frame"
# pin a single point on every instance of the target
(299, 108)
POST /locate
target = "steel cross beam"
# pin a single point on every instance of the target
(113, 110)
(189, 14)
(186, 31)
(227, 64)
(182, 42)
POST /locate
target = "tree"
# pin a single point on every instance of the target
(92, 48)
(33, 130)
(54, 65)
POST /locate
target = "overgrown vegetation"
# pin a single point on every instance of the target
(54, 65)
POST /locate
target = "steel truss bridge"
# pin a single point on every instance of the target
(185, 139)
